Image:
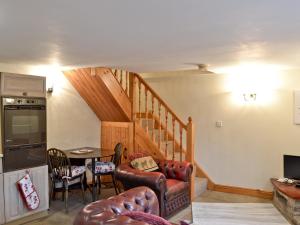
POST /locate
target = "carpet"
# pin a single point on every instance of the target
(236, 214)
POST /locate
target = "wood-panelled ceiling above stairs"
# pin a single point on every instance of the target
(102, 92)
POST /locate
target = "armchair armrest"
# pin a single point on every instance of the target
(176, 169)
(131, 178)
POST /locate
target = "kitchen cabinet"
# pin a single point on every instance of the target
(1, 200)
(14, 206)
(1, 149)
(22, 85)
(1, 167)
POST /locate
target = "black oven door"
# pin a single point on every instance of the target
(24, 125)
(25, 156)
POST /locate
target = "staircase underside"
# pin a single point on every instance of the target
(102, 92)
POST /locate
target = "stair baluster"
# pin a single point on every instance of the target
(166, 133)
(126, 84)
(117, 75)
(180, 141)
(159, 125)
(121, 78)
(173, 141)
(153, 119)
(146, 109)
(140, 114)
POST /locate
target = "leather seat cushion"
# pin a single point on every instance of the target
(174, 188)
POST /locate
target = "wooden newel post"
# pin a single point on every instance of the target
(190, 153)
(132, 97)
(132, 94)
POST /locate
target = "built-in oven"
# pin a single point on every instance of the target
(24, 132)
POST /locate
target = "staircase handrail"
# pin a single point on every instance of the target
(160, 100)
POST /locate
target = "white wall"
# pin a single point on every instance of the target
(248, 150)
(70, 121)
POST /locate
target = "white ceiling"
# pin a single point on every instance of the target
(149, 35)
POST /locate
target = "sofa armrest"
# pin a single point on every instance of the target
(131, 178)
(109, 211)
(176, 169)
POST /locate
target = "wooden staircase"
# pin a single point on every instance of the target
(137, 117)
(102, 92)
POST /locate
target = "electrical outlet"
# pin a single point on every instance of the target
(219, 123)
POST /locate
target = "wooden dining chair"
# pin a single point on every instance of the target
(106, 165)
(63, 175)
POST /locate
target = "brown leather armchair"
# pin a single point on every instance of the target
(171, 183)
(108, 211)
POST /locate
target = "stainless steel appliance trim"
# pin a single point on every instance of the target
(23, 101)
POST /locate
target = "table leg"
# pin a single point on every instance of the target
(93, 180)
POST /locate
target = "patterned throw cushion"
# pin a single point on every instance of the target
(135, 155)
(103, 167)
(77, 170)
(145, 163)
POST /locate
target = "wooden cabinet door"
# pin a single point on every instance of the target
(1, 167)
(39, 176)
(22, 85)
(14, 206)
(2, 218)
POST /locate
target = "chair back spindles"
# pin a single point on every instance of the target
(59, 163)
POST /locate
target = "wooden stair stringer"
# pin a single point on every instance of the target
(102, 92)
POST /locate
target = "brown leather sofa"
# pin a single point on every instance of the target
(108, 211)
(171, 183)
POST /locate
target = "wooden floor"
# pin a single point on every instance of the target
(236, 213)
(57, 216)
(216, 197)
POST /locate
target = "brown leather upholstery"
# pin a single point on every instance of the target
(175, 169)
(171, 184)
(108, 211)
(174, 188)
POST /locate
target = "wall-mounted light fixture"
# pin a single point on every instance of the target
(50, 90)
(249, 97)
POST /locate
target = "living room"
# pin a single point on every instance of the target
(232, 67)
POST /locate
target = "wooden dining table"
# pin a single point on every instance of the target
(93, 154)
